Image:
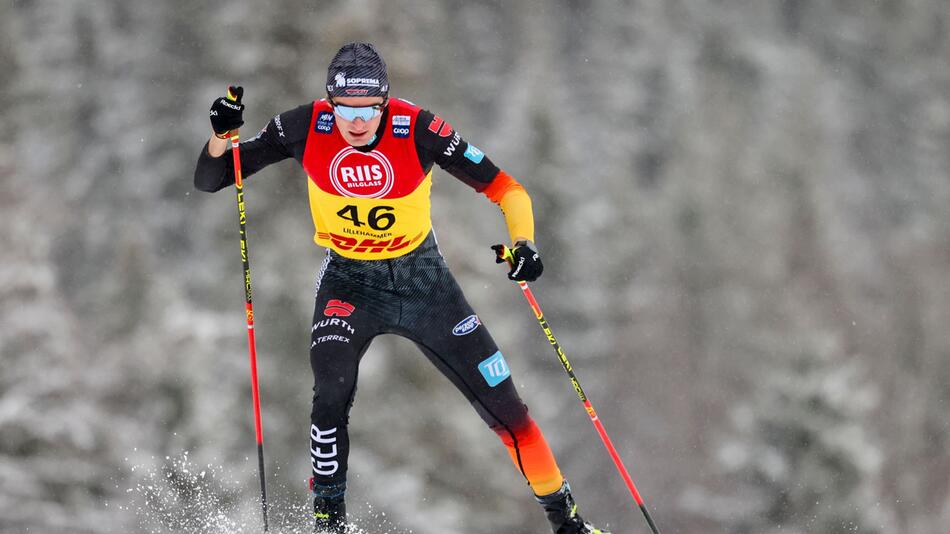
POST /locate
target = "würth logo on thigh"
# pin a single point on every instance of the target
(334, 322)
(338, 308)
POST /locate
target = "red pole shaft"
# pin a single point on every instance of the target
(248, 301)
(249, 313)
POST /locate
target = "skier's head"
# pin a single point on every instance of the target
(357, 70)
(358, 90)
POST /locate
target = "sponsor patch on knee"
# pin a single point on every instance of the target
(494, 369)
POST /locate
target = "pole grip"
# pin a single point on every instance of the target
(503, 255)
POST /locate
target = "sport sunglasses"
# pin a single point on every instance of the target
(350, 113)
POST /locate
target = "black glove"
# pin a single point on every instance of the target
(227, 112)
(525, 261)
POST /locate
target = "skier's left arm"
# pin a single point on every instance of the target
(438, 142)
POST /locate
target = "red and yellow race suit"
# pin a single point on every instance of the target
(372, 202)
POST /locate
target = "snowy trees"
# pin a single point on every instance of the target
(716, 185)
(801, 455)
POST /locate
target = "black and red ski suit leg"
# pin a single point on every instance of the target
(414, 296)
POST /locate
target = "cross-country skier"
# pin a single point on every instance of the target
(369, 161)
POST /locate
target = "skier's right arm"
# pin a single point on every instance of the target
(283, 137)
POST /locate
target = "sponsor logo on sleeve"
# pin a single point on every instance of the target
(401, 125)
(494, 369)
(440, 127)
(324, 122)
(466, 325)
(259, 134)
(453, 144)
(278, 125)
(474, 154)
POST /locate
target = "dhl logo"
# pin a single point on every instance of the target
(368, 244)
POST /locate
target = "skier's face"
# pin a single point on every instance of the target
(363, 121)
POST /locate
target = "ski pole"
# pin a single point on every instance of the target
(249, 310)
(505, 254)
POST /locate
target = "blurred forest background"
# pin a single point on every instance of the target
(742, 206)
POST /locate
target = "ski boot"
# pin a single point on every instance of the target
(329, 508)
(562, 513)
